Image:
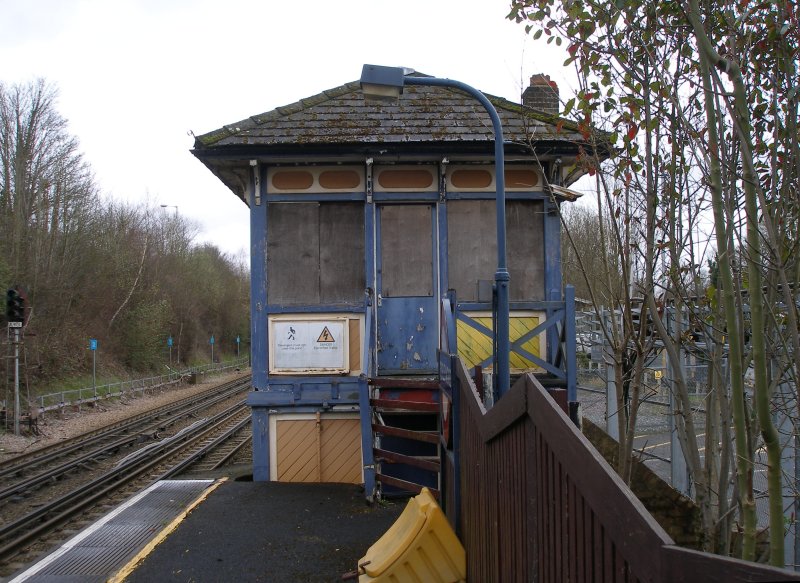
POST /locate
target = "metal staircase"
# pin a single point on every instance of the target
(405, 434)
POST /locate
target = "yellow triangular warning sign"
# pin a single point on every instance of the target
(326, 336)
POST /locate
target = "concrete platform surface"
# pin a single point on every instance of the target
(270, 532)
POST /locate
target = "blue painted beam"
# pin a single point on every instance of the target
(571, 341)
(351, 308)
(260, 421)
(258, 281)
(367, 456)
(552, 269)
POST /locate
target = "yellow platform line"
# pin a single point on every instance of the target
(120, 575)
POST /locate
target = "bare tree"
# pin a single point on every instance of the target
(128, 275)
(701, 103)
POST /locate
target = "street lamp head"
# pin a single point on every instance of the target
(383, 84)
(170, 206)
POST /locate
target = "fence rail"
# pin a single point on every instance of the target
(60, 399)
(539, 503)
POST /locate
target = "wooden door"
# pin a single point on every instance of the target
(407, 277)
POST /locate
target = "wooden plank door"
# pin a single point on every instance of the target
(407, 277)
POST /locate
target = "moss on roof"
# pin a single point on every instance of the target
(423, 114)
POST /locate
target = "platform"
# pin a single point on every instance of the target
(201, 530)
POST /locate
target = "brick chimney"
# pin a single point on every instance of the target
(542, 94)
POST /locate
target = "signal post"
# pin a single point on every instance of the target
(15, 313)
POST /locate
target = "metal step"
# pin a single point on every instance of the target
(401, 405)
(405, 402)
(424, 436)
(425, 463)
(403, 484)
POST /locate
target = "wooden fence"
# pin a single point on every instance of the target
(532, 500)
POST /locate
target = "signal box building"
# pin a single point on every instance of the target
(363, 216)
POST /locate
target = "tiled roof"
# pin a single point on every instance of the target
(423, 114)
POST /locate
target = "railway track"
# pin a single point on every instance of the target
(50, 522)
(226, 449)
(27, 473)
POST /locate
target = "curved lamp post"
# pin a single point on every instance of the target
(386, 84)
(170, 206)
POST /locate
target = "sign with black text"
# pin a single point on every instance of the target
(309, 345)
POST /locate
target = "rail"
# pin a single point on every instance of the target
(137, 470)
(368, 360)
(72, 397)
(80, 451)
(538, 502)
(556, 323)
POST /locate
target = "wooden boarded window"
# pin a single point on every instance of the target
(315, 253)
(406, 250)
(472, 247)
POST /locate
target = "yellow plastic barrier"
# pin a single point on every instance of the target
(419, 547)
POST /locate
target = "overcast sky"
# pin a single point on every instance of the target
(135, 77)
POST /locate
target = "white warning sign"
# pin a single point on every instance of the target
(300, 345)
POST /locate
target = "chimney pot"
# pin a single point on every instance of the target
(542, 94)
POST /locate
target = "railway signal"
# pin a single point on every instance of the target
(15, 313)
(15, 308)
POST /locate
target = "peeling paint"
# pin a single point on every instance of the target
(417, 357)
(420, 327)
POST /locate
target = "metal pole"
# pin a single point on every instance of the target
(501, 277)
(94, 371)
(679, 472)
(786, 404)
(16, 381)
(612, 421)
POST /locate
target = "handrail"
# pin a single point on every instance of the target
(558, 326)
(367, 354)
(368, 371)
(564, 513)
(448, 338)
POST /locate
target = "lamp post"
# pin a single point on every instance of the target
(171, 206)
(386, 84)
